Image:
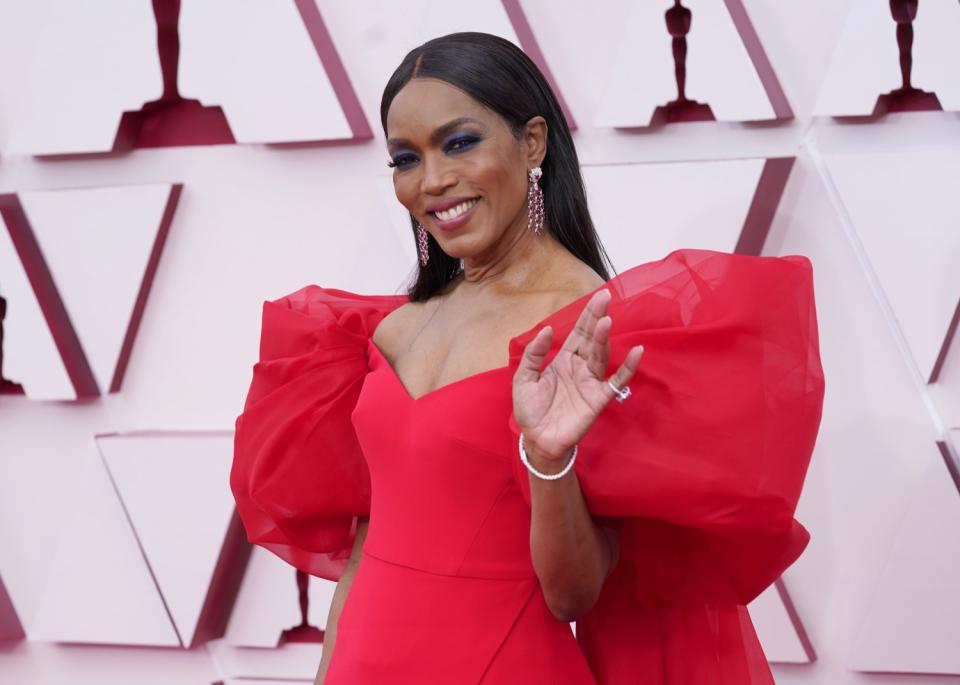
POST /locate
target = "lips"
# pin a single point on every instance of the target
(454, 213)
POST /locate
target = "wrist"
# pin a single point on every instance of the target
(541, 454)
(546, 463)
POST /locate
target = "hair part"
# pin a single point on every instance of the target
(500, 76)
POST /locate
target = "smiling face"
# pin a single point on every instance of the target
(457, 166)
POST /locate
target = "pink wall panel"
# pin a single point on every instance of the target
(34, 351)
(267, 606)
(373, 42)
(910, 624)
(906, 215)
(726, 75)
(781, 632)
(945, 393)
(228, 72)
(867, 62)
(174, 490)
(10, 626)
(89, 257)
(99, 588)
(294, 661)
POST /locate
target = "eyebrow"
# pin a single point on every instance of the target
(440, 133)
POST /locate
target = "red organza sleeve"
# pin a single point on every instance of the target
(701, 468)
(298, 476)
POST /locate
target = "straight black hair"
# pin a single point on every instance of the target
(500, 76)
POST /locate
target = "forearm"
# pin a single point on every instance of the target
(572, 555)
(339, 597)
(330, 633)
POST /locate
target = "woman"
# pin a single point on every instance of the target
(452, 456)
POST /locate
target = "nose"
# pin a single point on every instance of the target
(436, 177)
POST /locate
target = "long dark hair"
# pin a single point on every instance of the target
(500, 76)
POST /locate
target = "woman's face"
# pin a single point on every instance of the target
(457, 167)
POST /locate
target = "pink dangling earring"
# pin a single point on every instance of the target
(535, 201)
(422, 246)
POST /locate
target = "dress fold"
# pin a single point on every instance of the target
(699, 471)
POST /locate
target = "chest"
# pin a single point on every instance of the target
(448, 350)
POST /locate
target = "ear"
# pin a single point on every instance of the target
(534, 141)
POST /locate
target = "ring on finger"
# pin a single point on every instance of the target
(621, 393)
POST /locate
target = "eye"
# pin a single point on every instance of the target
(461, 143)
(402, 161)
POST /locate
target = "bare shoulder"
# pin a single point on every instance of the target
(578, 279)
(390, 333)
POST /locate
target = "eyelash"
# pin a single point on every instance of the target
(458, 144)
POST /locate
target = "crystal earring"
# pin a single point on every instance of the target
(535, 201)
(422, 244)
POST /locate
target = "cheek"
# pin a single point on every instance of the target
(499, 180)
(510, 192)
(405, 190)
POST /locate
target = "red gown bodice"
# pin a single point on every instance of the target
(699, 471)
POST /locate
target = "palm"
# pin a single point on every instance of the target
(555, 407)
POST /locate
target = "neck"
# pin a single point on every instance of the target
(514, 263)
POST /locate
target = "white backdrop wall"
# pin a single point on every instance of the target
(101, 589)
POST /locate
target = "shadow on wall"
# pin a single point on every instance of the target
(679, 20)
(171, 120)
(7, 387)
(906, 98)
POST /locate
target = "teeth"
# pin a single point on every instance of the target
(454, 212)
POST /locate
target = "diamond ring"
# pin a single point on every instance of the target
(622, 394)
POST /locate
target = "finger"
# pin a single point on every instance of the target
(534, 354)
(626, 371)
(599, 355)
(582, 334)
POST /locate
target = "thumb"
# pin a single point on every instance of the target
(534, 355)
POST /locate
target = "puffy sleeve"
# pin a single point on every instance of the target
(701, 468)
(299, 477)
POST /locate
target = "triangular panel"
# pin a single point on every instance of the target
(10, 626)
(99, 588)
(778, 626)
(31, 353)
(102, 246)
(905, 210)
(175, 490)
(644, 211)
(910, 623)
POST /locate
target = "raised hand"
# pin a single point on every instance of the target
(556, 406)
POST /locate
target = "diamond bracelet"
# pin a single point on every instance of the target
(546, 476)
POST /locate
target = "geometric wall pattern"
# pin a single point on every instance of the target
(10, 627)
(869, 42)
(238, 71)
(172, 489)
(658, 40)
(163, 522)
(78, 265)
(117, 531)
(782, 635)
(915, 254)
(267, 603)
(917, 585)
(99, 588)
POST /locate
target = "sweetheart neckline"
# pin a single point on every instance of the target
(533, 329)
(393, 374)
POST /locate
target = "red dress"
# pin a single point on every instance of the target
(700, 471)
